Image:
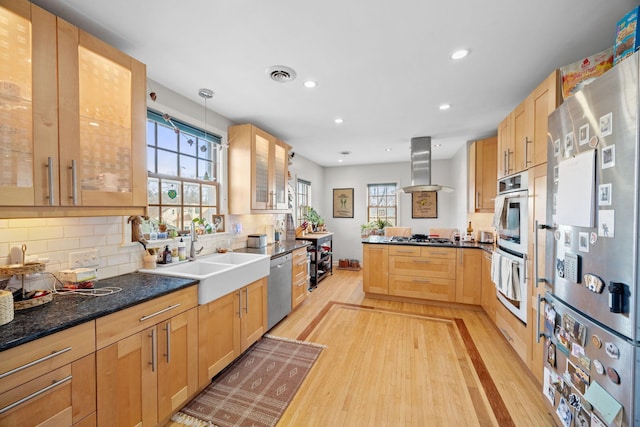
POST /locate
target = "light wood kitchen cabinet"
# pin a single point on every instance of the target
(299, 276)
(542, 101)
(258, 171)
(147, 360)
(50, 381)
(375, 277)
(228, 326)
(489, 298)
(506, 148)
(522, 136)
(483, 173)
(538, 208)
(422, 272)
(469, 276)
(513, 330)
(80, 147)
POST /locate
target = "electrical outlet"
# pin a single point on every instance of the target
(88, 258)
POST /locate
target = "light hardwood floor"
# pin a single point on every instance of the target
(402, 364)
(352, 383)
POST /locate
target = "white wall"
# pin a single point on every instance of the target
(303, 168)
(347, 241)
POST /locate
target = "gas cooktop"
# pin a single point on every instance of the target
(421, 239)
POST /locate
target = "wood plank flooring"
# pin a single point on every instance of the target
(400, 364)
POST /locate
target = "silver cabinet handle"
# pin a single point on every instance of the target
(400, 251)
(477, 200)
(524, 266)
(35, 362)
(526, 150)
(240, 304)
(164, 310)
(506, 334)
(505, 162)
(509, 153)
(154, 350)
(246, 300)
(421, 281)
(421, 260)
(35, 394)
(167, 328)
(74, 183)
(49, 166)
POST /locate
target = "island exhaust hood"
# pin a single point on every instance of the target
(421, 167)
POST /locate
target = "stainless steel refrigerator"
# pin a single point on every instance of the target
(590, 326)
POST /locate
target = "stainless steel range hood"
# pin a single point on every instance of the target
(421, 167)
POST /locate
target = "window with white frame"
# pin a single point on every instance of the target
(382, 203)
(182, 171)
(303, 192)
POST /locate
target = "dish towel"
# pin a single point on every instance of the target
(509, 283)
(499, 212)
(496, 260)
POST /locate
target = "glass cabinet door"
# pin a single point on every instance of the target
(27, 88)
(102, 146)
(261, 197)
(280, 175)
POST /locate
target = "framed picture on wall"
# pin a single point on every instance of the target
(343, 202)
(424, 204)
(218, 223)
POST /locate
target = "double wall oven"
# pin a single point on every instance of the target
(512, 219)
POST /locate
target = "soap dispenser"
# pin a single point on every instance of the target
(166, 255)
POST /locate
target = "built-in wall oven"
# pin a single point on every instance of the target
(512, 218)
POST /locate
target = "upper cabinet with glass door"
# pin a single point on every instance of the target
(102, 122)
(263, 186)
(28, 105)
(72, 120)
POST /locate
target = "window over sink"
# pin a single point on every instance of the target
(182, 171)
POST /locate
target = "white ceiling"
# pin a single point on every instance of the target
(381, 66)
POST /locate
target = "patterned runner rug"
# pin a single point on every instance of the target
(255, 389)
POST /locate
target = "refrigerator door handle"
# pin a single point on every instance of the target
(538, 333)
(537, 279)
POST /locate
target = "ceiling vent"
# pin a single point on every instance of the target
(281, 74)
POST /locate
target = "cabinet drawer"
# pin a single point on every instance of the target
(438, 252)
(443, 268)
(404, 250)
(436, 289)
(298, 292)
(512, 329)
(34, 359)
(63, 396)
(121, 324)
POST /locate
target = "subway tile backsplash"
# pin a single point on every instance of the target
(56, 238)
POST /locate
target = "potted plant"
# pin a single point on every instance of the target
(313, 217)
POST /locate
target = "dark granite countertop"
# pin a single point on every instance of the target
(66, 311)
(487, 247)
(276, 249)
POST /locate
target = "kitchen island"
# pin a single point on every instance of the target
(443, 271)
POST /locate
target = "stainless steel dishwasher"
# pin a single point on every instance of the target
(279, 290)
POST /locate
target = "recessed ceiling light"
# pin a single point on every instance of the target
(310, 84)
(339, 160)
(437, 145)
(338, 121)
(387, 149)
(459, 54)
(445, 106)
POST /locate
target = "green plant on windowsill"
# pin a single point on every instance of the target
(203, 227)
